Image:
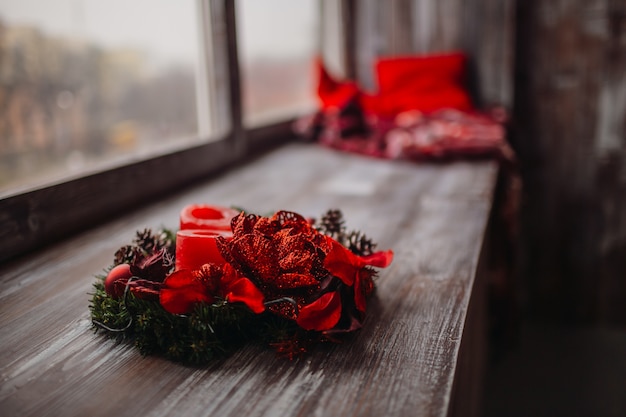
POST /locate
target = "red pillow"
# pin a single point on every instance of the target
(426, 83)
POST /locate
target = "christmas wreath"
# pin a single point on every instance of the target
(227, 278)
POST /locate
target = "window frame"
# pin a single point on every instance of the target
(33, 219)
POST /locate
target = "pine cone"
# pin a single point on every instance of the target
(126, 255)
(360, 244)
(332, 224)
(150, 242)
(145, 244)
(145, 240)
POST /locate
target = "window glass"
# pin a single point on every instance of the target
(277, 41)
(89, 83)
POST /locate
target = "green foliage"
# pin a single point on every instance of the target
(210, 332)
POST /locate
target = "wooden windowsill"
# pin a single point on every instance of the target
(403, 362)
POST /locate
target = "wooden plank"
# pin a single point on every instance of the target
(402, 362)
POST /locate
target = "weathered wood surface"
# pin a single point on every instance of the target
(403, 362)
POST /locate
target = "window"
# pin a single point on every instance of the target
(278, 42)
(83, 85)
(126, 107)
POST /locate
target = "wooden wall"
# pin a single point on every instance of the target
(403, 27)
(570, 134)
(560, 67)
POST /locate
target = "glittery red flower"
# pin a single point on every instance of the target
(286, 257)
(281, 253)
(183, 289)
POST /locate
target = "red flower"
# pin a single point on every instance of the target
(286, 257)
(183, 289)
(282, 255)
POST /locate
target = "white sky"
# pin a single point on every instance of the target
(167, 29)
(164, 28)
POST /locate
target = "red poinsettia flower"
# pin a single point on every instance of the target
(282, 254)
(183, 289)
(286, 257)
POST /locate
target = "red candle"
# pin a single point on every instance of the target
(204, 216)
(197, 247)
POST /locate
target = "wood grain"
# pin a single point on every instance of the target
(403, 362)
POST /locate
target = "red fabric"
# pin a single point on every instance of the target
(426, 83)
(426, 71)
(345, 265)
(447, 134)
(421, 111)
(348, 267)
(380, 259)
(333, 93)
(341, 262)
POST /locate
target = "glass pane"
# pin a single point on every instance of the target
(88, 83)
(278, 41)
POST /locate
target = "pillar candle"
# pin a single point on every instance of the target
(196, 247)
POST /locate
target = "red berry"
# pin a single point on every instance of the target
(121, 273)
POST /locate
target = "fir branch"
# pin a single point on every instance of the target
(210, 332)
